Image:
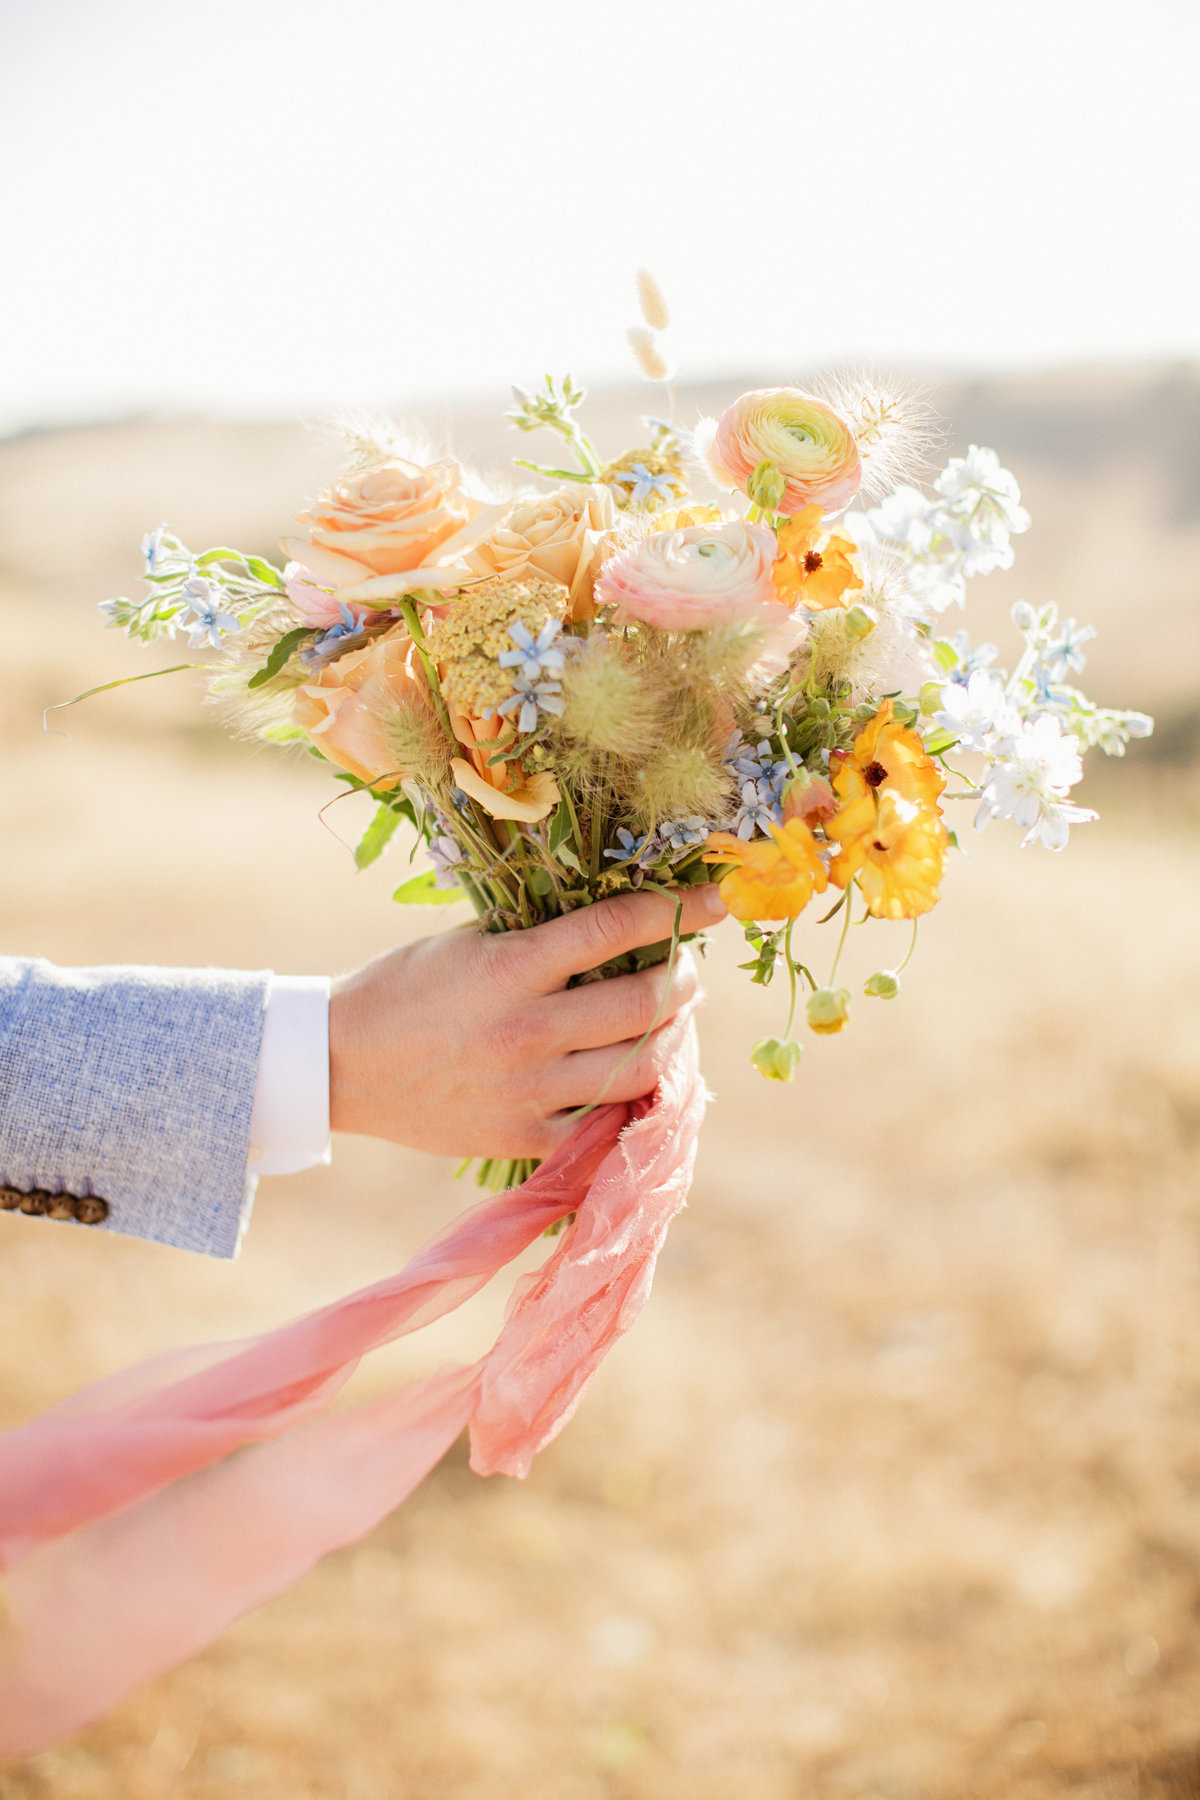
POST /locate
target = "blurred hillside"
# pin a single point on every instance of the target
(894, 1492)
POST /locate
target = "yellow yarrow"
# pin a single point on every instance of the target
(771, 878)
(467, 643)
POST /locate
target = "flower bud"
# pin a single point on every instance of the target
(860, 622)
(766, 486)
(882, 985)
(931, 698)
(1023, 616)
(776, 1058)
(828, 1010)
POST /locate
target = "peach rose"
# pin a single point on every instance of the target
(503, 790)
(559, 535)
(383, 531)
(813, 449)
(344, 710)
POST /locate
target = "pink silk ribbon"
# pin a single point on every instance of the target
(131, 1534)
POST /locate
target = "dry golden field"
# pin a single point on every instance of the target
(894, 1493)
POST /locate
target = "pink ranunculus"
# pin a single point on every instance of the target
(811, 446)
(316, 605)
(693, 579)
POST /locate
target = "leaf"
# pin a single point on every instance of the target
(946, 655)
(560, 828)
(265, 572)
(279, 655)
(423, 890)
(566, 855)
(940, 740)
(377, 836)
(107, 687)
(221, 554)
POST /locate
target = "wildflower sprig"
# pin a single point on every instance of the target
(553, 410)
(210, 595)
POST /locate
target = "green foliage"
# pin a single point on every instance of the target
(766, 946)
(376, 838)
(280, 655)
(423, 890)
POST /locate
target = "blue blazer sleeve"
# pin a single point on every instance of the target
(132, 1087)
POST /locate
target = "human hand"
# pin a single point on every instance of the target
(469, 1043)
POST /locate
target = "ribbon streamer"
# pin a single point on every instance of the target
(142, 1517)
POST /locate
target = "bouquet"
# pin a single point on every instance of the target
(694, 662)
(691, 662)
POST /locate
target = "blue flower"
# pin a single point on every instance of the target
(155, 551)
(761, 807)
(445, 855)
(678, 835)
(638, 852)
(643, 485)
(350, 625)
(536, 657)
(201, 598)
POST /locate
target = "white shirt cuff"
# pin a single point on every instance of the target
(289, 1124)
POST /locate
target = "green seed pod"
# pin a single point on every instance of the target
(859, 623)
(776, 1058)
(828, 1010)
(882, 985)
(766, 487)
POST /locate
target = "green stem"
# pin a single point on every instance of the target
(842, 940)
(911, 947)
(791, 969)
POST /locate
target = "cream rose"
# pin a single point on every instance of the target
(383, 531)
(559, 535)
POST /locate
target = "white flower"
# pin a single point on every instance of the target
(1030, 785)
(902, 518)
(979, 713)
(976, 480)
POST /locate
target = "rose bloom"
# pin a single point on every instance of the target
(813, 449)
(343, 711)
(503, 790)
(383, 531)
(559, 535)
(688, 580)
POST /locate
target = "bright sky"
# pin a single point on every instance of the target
(282, 206)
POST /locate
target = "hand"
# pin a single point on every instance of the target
(469, 1043)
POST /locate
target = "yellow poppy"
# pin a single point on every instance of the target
(894, 847)
(813, 567)
(887, 754)
(772, 878)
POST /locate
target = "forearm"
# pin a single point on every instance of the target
(134, 1087)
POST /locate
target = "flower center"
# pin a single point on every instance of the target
(874, 774)
(812, 562)
(711, 547)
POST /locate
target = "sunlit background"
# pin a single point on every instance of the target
(893, 1494)
(263, 208)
